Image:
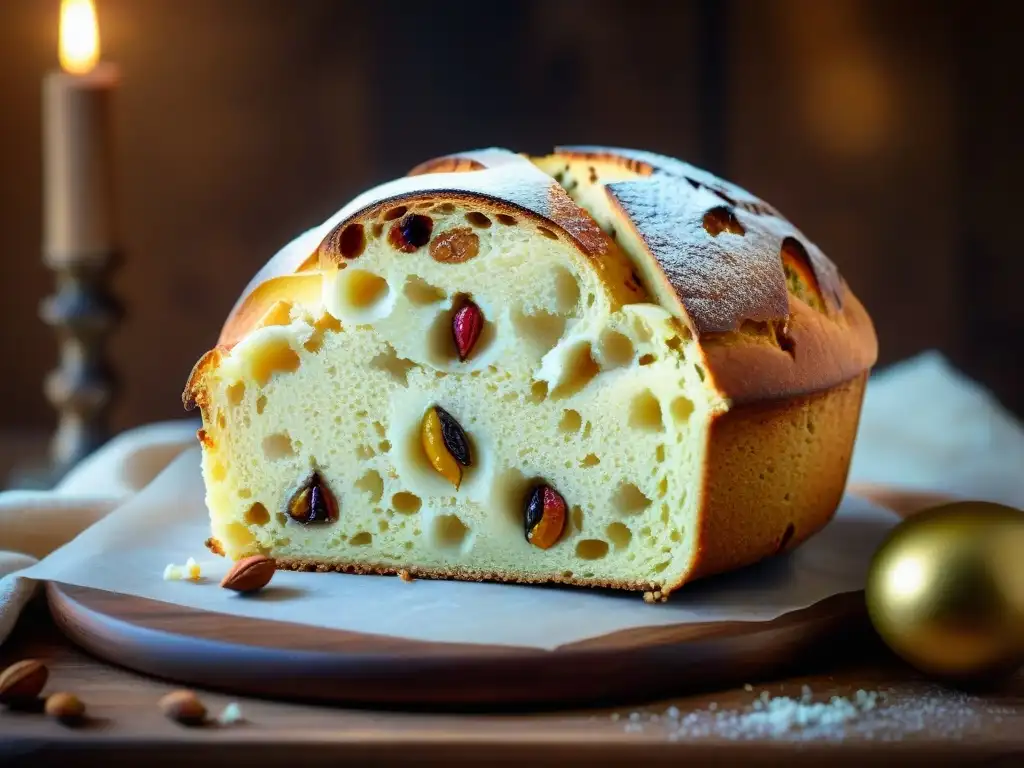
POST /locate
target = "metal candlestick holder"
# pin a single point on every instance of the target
(83, 313)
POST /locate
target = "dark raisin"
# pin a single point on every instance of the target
(411, 232)
(454, 437)
(534, 508)
(313, 502)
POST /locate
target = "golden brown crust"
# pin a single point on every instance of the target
(811, 353)
(771, 466)
(303, 288)
(194, 393)
(720, 283)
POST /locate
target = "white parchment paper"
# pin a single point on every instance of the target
(167, 522)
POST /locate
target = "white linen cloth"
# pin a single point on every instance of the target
(924, 427)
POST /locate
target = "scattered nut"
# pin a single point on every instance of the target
(250, 574)
(23, 681)
(411, 232)
(445, 444)
(65, 706)
(455, 246)
(467, 323)
(544, 515)
(184, 707)
(313, 502)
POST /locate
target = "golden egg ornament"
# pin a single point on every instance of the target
(946, 590)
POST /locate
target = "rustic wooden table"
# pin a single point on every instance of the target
(914, 721)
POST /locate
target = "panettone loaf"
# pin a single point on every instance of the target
(598, 367)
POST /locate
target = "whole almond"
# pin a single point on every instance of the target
(65, 706)
(250, 574)
(184, 707)
(22, 681)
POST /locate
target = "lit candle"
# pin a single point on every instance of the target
(77, 147)
(78, 233)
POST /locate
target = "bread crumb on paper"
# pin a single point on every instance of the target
(190, 571)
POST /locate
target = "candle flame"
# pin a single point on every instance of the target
(79, 36)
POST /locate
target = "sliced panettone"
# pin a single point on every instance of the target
(599, 367)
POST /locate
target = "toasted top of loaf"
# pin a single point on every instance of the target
(772, 314)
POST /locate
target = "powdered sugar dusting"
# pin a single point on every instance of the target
(880, 715)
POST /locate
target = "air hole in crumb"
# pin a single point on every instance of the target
(445, 208)
(666, 514)
(659, 453)
(663, 486)
(661, 566)
(384, 446)
(547, 233)
(363, 290)
(700, 372)
(647, 359)
(261, 404)
(619, 534)
(567, 290)
(681, 409)
(566, 574)
(382, 526)
(274, 356)
(586, 430)
(591, 299)
(218, 472)
(478, 220)
(541, 329)
(538, 392)
(504, 218)
(720, 219)
(810, 426)
(571, 421)
(420, 292)
(361, 539)
(577, 518)
(377, 229)
(222, 420)
(396, 367)
(590, 460)
(630, 500)
(257, 514)
(352, 241)
(372, 483)
(244, 493)
(591, 549)
(616, 349)
(449, 531)
(406, 503)
(645, 412)
(395, 213)
(277, 446)
(235, 393)
(580, 370)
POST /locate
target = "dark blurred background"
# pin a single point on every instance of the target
(888, 130)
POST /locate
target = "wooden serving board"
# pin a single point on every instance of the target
(291, 661)
(280, 660)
